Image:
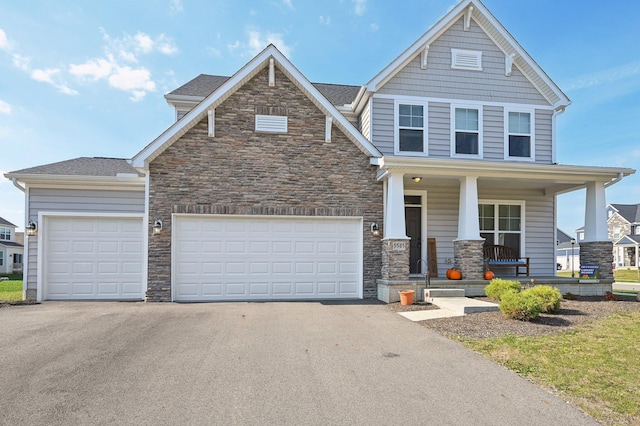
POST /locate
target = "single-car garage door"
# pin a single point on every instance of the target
(266, 258)
(93, 258)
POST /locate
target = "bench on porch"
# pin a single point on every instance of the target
(496, 256)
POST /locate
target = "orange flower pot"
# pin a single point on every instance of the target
(406, 297)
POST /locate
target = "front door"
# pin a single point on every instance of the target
(413, 217)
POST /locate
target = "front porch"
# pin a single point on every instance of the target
(388, 289)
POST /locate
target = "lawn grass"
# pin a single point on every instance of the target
(620, 275)
(595, 367)
(11, 289)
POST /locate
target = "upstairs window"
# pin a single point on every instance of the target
(467, 129)
(518, 141)
(637, 229)
(411, 129)
(5, 234)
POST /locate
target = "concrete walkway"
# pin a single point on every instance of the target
(251, 364)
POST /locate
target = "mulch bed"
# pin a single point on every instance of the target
(573, 313)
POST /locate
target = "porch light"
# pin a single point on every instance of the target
(375, 230)
(416, 179)
(573, 271)
(157, 226)
(32, 228)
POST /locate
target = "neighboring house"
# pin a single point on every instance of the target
(271, 187)
(567, 252)
(624, 231)
(11, 250)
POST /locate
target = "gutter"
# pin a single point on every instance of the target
(17, 185)
(614, 181)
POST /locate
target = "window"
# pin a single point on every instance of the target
(1, 258)
(467, 131)
(637, 229)
(411, 133)
(501, 224)
(5, 234)
(616, 233)
(519, 134)
(581, 236)
(17, 258)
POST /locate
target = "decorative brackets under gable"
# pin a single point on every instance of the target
(508, 64)
(467, 18)
(327, 130)
(211, 114)
(272, 73)
(423, 57)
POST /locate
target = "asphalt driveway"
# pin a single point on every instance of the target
(251, 363)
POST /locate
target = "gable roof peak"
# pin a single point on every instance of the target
(475, 10)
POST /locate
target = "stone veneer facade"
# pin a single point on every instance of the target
(243, 172)
(468, 258)
(395, 259)
(598, 253)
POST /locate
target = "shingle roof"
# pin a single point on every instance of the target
(631, 212)
(83, 166)
(10, 244)
(204, 84)
(6, 222)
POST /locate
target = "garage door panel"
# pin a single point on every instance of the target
(93, 258)
(262, 258)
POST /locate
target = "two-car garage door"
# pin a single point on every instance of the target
(266, 258)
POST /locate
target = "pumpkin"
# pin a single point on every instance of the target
(454, 274)
(488, 275)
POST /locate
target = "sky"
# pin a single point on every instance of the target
(88, 78)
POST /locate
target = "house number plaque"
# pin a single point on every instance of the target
(398, 246)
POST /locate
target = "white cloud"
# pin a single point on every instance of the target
(325, 20)
(288, 3)
(607, 76)
(359, 7)
(94, 69)
(128, 46)
(21, 62)
(136, 81)
(257, 41)
(214, 51)
(50, 76)
(176, 6)
(4, 43)
(5, 108)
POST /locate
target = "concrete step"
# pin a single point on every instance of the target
(463, 305)
(443, 292)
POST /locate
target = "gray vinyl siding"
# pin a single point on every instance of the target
(439, 129)
(74, 202)
(544, 136)
(382, 122)
(493, 133)
(440, 81)
(539, 237)
(364, 122)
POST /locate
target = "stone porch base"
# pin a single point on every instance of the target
(388, 290)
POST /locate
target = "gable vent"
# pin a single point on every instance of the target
(466, 59)
(271, 123)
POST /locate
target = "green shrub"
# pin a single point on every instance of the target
(549, 297)
(497, 287)
(524, 305)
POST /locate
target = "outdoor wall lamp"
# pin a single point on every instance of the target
(32, 228)
(157, 226)
(375, 229)
(416, 179)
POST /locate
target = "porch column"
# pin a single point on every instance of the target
(467, 248)
(395, 243)
(596, 248)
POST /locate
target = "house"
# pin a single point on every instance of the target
(567, 252)
(270, 187)
(624, 231)
(11, 250)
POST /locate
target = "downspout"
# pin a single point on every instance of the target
(614, 181)
(17, 185)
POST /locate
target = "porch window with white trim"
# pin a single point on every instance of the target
(1, 258)
(501, 224)
(5, 234)
(519, 134)
(467, 131)
(411, 128)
